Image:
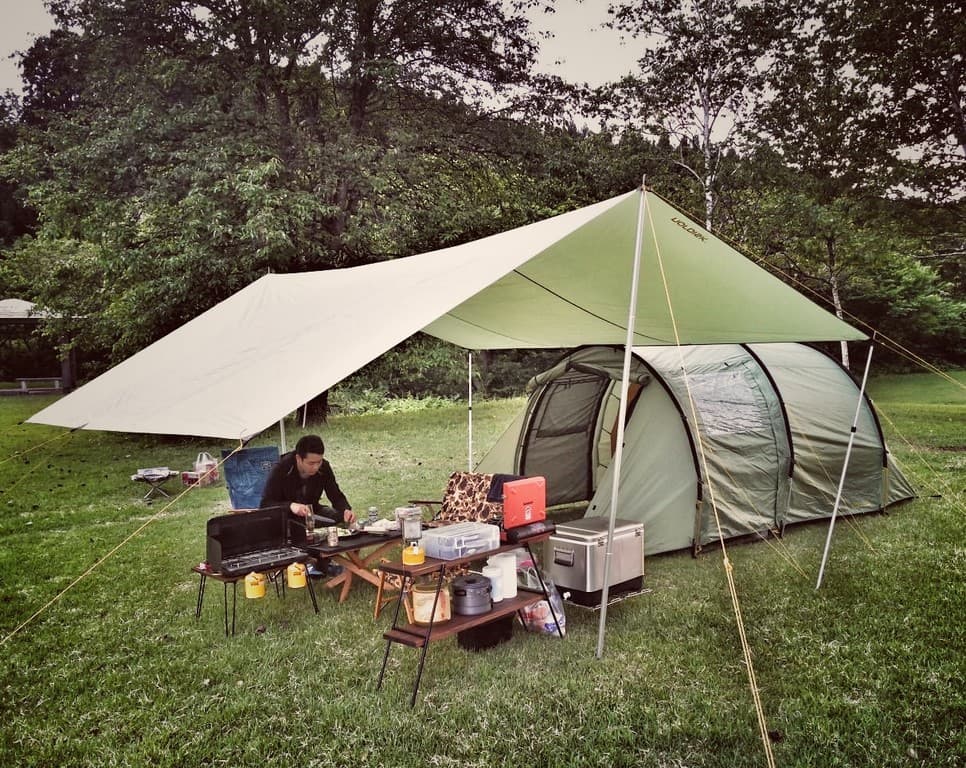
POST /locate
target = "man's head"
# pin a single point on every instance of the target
(308, 455)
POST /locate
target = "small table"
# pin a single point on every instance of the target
(155, 480)
(348, 554)
(276, 577)
(420, 635)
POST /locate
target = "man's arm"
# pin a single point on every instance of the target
(332, 491)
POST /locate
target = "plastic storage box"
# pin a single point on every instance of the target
(460, 539)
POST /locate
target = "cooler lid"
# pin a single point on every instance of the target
(592, 527)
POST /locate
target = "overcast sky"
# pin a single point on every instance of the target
(585, 52)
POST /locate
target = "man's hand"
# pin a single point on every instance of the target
(350, 516)
(302, 510)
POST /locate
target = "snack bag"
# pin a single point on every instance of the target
(539, 618)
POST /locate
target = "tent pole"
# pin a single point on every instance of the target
(622, 415)
(281, 435)
(845, 467)
(469, 412)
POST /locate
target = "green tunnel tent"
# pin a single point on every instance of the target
(774, 421)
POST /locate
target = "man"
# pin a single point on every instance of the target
(299, 480)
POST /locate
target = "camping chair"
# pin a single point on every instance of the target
(246, 472)
(466, 499)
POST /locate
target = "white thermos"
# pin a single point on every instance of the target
(507, 562)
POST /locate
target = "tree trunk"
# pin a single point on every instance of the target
(316, 410)
(833, 282)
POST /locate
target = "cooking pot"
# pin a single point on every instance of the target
(472, 595)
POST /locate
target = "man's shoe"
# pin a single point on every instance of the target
(334, 569)
(314, 572)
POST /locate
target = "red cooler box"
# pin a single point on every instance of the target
(574, 558)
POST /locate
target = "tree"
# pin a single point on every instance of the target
(911, 54)
(202, 144)
(700, 71)
(825, 121)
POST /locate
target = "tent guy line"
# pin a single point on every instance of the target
(104, 558)
(702, 449)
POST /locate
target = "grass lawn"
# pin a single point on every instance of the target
(104, 664)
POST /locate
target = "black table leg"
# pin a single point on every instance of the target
(225, 606)
(201, 595)
(311, 588)
(395, 619)
(429, 631)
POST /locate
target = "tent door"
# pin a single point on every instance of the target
(560, 439)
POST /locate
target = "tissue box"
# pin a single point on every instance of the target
(451, 542)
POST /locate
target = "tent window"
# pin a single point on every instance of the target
(728, 403)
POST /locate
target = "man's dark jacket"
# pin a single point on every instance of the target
(285, 485)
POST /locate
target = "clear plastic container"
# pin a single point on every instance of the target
(460, 540)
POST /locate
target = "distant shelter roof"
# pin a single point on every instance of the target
(20, 311)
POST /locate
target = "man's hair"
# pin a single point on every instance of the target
(309, 444)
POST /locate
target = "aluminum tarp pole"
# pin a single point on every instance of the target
(622, 415)
(845, 467)
(469, 413)
(281, 435)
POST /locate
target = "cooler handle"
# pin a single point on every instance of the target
(563, 557)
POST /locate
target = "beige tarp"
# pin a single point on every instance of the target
(239, 367)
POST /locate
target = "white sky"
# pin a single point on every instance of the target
(584, 52)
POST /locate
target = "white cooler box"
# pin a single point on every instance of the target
(574, 558)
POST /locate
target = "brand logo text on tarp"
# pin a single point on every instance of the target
(686, 226)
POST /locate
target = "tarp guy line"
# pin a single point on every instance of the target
(16, 630)
(817, 456)
(37, 447)
(942, 485)
(25, 475)
(732, 588)
(804, 288)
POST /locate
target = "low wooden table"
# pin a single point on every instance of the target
(348, 554)
(420, 636)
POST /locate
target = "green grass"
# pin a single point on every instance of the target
(116, 671)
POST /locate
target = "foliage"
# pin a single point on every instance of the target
(917, 72)
(700, 70)
(191, 151)
(859, 89)
(428, 369)
(116, 670)
(166, 154)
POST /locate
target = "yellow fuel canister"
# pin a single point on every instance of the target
(413, 554)
(255, 585)
(295, 575)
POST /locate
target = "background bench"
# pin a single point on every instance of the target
(40, 384)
